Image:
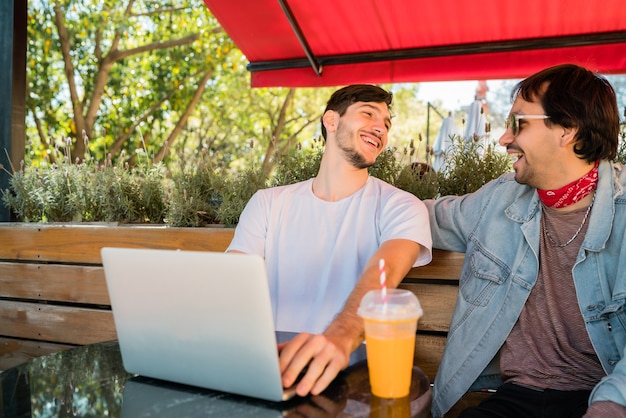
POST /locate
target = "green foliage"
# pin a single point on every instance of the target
(386, 166)
(469, 165)
(152, 191)
(196, 195)
(133, 69)
(135, 72)
(297, 165)
(86, 192)
(120, 194)
(201, 193)
(25, 197)
(237, 190)
(416, 180)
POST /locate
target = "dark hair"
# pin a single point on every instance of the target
(344, 97)
(575, 97)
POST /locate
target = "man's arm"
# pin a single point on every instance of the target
(328, 353)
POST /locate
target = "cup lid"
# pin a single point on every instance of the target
(398, 304)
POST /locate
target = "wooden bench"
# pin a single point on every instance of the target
(53, 294)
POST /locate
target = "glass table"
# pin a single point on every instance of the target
(90, 381)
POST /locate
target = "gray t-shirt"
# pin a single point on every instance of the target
(549, 346)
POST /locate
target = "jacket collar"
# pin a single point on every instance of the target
(524, 209)
(603, 211)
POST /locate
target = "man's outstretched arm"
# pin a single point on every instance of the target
(328, 353)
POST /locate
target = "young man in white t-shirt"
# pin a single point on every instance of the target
(322, 239)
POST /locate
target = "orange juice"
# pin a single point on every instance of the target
(390, 320)
(390, 359)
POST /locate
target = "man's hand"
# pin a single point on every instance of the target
(323, 358)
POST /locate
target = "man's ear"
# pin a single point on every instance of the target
(330, 119)
(569, 136)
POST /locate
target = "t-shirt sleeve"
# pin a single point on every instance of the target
(406, 217)
(251, 231)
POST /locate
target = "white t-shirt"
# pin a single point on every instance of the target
(315, 251)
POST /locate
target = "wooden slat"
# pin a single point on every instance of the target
(428, 353)
(438, 301)
(82, 244)
(446, 265)
(59, 324)
(14, 352)
(53, 282)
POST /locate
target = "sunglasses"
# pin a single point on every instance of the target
(513, 121)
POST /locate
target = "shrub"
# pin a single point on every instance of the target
(202, 194)
(469, 165)
(63, 191)
(195, 196)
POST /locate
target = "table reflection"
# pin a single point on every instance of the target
(90, 381)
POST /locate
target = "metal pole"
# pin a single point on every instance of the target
(429, 105)
(428, 125)
(13, 18)
(6, 77)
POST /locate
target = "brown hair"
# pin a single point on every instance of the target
(575, 97)
(344, 97)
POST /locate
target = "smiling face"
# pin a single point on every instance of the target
(361, 133)
(535, 150)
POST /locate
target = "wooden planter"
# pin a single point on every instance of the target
(53, 294)
(52, 289)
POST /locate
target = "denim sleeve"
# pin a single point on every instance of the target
(612, 387)
(453, 218)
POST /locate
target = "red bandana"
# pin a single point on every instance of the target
(572, 192)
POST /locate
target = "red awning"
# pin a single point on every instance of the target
(288, 42)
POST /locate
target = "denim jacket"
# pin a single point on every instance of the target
(497, 228)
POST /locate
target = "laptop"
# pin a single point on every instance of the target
(197, 318)
(146, 397)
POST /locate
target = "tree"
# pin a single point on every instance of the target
(131, 75)
(162, 80)
(108, 70)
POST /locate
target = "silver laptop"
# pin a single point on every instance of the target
(197, 318)
(145, 397)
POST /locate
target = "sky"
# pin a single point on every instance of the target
(457, 95)
(453, 94)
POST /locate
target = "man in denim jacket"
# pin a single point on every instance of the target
(540, 311)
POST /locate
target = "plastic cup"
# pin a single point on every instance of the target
(390, 408)
(390, 327)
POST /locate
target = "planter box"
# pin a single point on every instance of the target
(78, 243)
(53, 293)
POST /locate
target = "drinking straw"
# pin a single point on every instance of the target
(383, 279)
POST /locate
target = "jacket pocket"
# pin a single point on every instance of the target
(481, 280)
